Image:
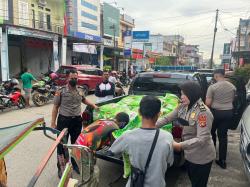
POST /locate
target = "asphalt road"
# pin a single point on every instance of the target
(24, 159)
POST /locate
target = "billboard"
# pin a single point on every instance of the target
(227, 49)
(111, 20)
(147, 47)
(140, 36)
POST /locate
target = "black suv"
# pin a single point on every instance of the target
(160, 83)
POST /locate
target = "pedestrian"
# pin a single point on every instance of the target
(67, 110)
(96, 136)
(220, 97)
(197, 144)
(27, 79)
(105, 90)
(113, 78)
(149, 149)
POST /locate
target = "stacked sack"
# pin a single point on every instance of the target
(130, 105)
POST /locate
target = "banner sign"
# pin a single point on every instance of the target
(140, 36)
(84, 48)
(111, 20)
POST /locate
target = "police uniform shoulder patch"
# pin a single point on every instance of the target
(202, 107)
(59, 91)
(202, 120)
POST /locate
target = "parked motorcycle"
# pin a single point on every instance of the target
(10, 95)
(43, 91)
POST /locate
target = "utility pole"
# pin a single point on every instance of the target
(215, 31)
(113, 27)
(239, 33)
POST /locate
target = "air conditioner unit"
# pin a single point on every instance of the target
(42, 2)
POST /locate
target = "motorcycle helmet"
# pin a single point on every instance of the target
(14, 82)
(53, 76)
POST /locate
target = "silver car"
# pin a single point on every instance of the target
(245, 140)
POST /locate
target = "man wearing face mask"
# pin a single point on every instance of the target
(197, 143)
(67, 110)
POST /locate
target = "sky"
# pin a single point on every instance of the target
(193, 19)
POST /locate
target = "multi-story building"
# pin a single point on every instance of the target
(31, 35)
(241, 47)
(190, 55)
(114, 27)
(4, 11)
(84, 31)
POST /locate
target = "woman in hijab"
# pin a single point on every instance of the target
(197, 143)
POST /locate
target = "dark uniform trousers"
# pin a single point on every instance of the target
(74, 126)
(221, 123)
(198, 174)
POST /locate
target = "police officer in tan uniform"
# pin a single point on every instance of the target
(220, 97)
(197, 143)
(67, 103)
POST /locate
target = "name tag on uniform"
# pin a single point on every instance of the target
(193, 115)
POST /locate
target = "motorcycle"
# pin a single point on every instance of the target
(15, 98)
(43, 91)
(10, 95)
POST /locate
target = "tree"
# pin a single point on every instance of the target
(164, 61)
(243, 72)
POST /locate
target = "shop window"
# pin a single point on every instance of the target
(41, 20)
(23, 10)
(89, 5)
(89, 26)
(48, 21)
(88, 15)
(33, 19)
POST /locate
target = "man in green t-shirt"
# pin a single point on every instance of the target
(27, 79)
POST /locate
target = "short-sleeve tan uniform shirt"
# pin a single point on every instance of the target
(69, 101)
(222, 94)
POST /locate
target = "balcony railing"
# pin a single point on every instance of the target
(47, 26)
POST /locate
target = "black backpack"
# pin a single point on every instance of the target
(137, 175)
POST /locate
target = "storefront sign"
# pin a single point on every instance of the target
(87, 36)
(108, 42)
(140, 36)
(147, 47)
(33, 33)
(111, 20)
(127, 52)
(84, 48)
(127, 42)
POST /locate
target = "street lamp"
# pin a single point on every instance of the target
(114, 29)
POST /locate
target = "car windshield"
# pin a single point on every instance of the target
(160, 85)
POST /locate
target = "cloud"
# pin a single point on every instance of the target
(194, 19)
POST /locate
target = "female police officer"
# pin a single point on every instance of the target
(197, 142)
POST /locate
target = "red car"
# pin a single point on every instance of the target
(88, 76)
